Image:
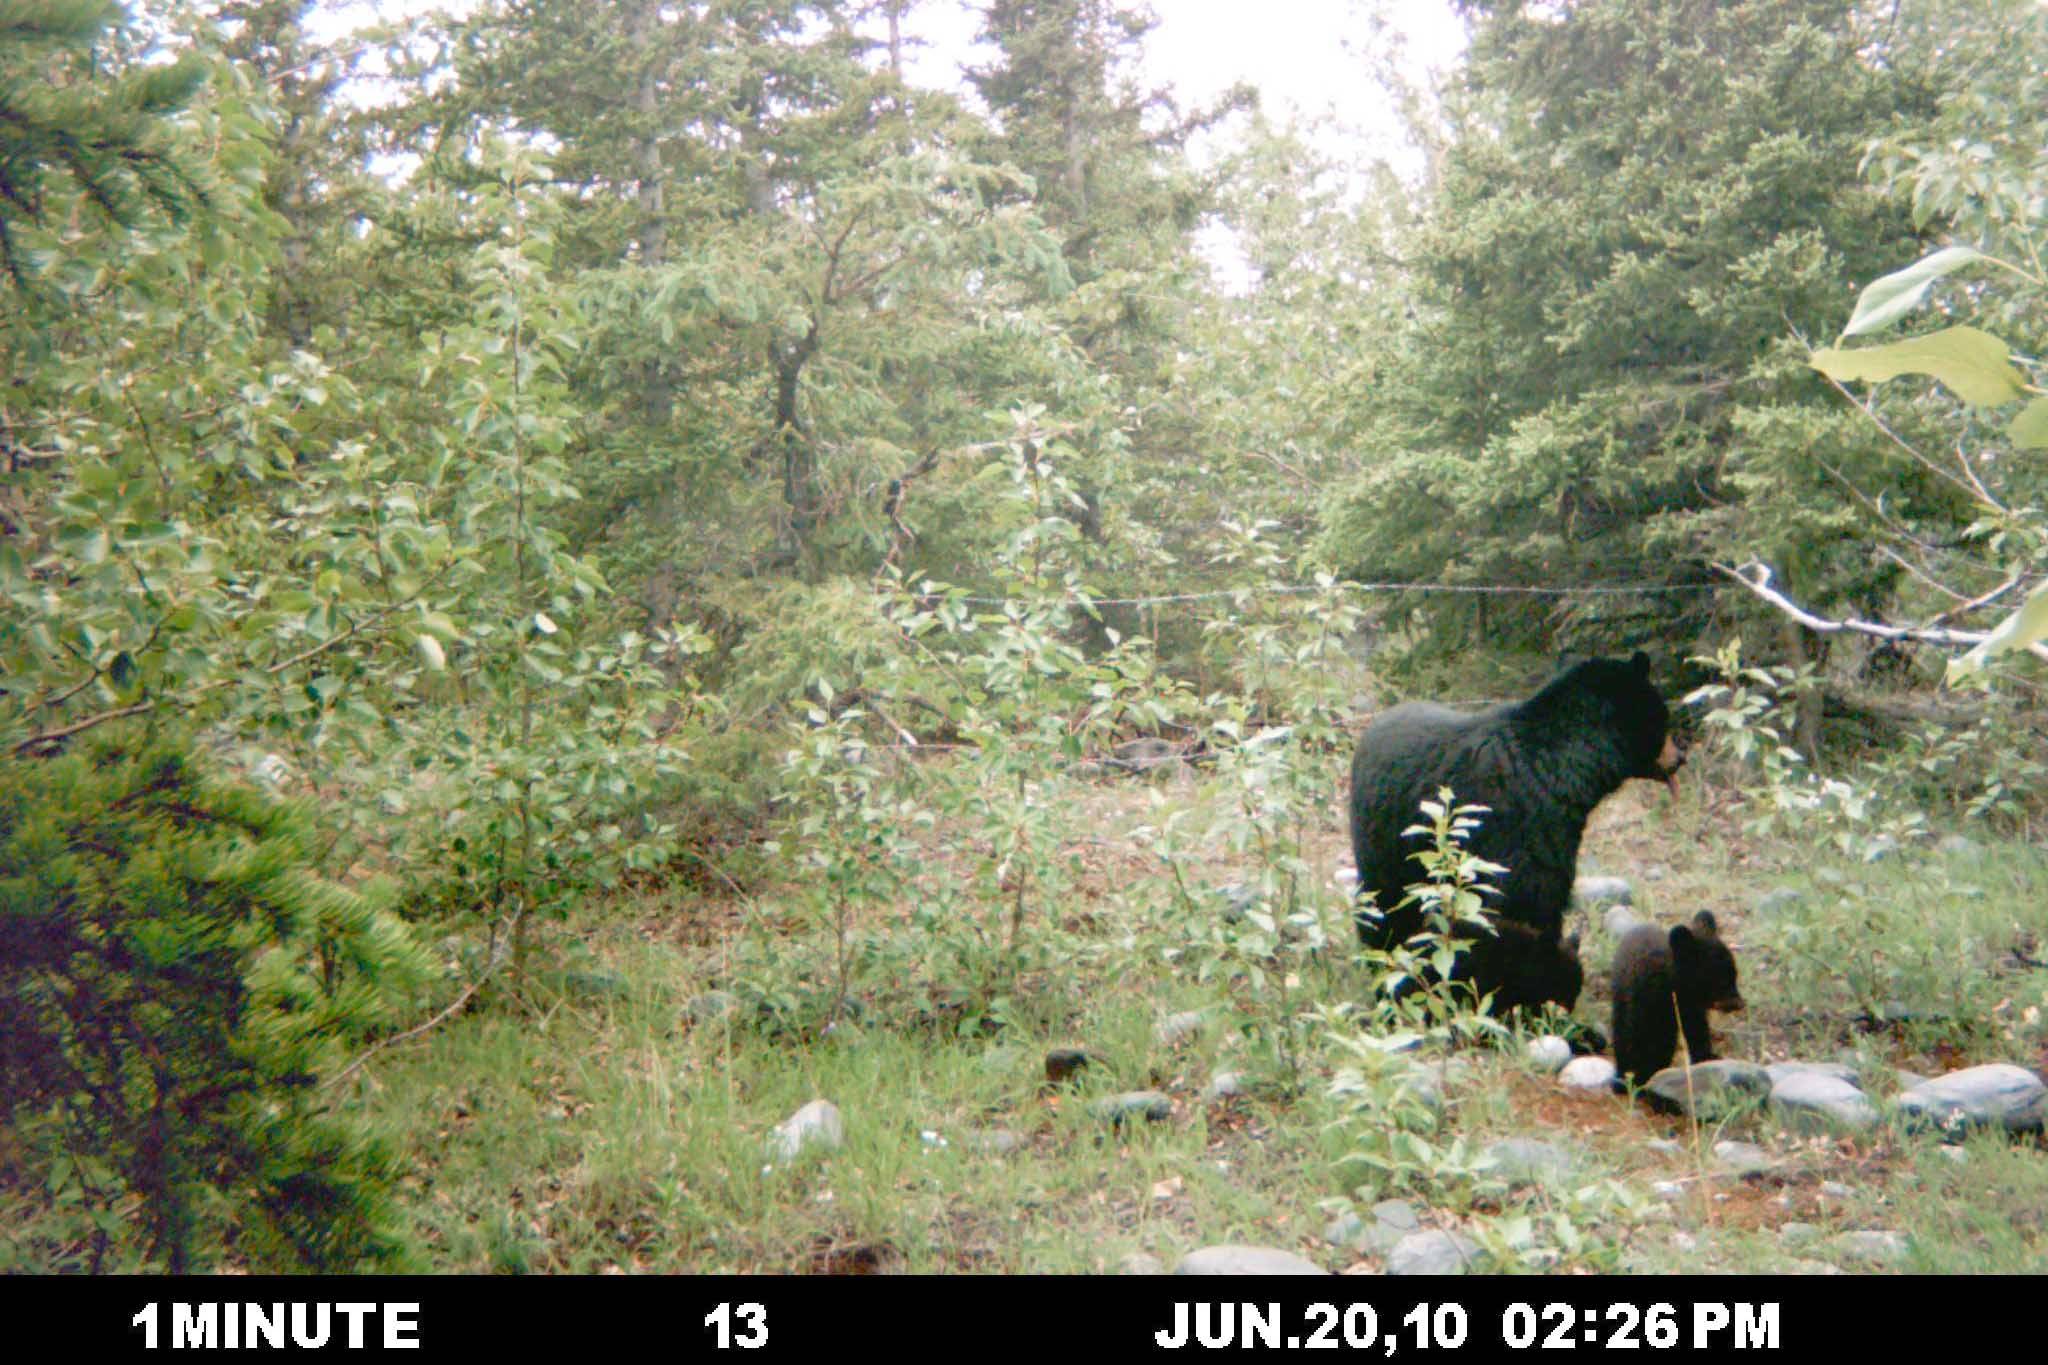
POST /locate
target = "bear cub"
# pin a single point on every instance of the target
(1651, 968)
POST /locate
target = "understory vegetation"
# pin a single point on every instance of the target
(574, 578)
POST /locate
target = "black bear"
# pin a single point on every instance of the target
(1520, 966)
(1689, 964)
(1539, 766)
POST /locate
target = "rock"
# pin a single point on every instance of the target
(1549, 1053)
(1906, 1080)
(1835, 1189)
(1223, 1085)
(1711, 1089)
(1345, 1230)
(1666, 1146)
(1178, 1028)
(1239, 900)
(1140, 1263)
(1619, 920)
(1995, 1095)
(1880, 847)
(1143, 755)
(1671, 1191)
(1392, 1219)
(1062, 1062)
(817, 1124)
(1588, 1073)
(1812, 1268)
(1778, 901)
(1741, 1158)
(1875, 1248)
(1145, 1104)
(1778, 1071)
(1243, 1260)
(1526, 1161)
(1432, 1253)
(992, 1141)
(1590, 893)
(711, 1005)
(1345, 879)
(1795, 1235)
(1812, 1102)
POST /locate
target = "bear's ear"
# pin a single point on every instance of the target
(1641, 664)
(1703, 923)
(1571, 945)
(1682, 941)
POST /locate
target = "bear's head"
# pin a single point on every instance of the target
(1704, 966)
(1617, 695)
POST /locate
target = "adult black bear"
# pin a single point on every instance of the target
(1521, 967)
(1540, 766)
(1689, 964)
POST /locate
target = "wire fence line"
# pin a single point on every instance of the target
(1302, 589)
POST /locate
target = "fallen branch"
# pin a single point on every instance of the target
(1756, 577)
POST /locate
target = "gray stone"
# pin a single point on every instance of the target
(817, 1124)
(1875, 1247)
(1526, 1161)
(1178, 1028)
(992, 1141)
(1835, 1189)
(1671, 1191)
(1619, 920)
(711, 1005)
(1710, 1089)
(1811, 1102)
(1587, 1073)
(1741, 1158)
(1997, 1095)
(1796, 1235)
(1346, 880)
(1140, 1263)
(1143, 755)
(1243, 1260)
(1145, 1104)
(1392, 1219)
(1549, 1053)
(1778, 901)
(1239, 900)
(1666, 1146)
(1906, 1080)
(1345, 1230)
(1590, 893)
(1432, 1253)
(1798, 1267)
(1223, 1085)
(1837, 1070)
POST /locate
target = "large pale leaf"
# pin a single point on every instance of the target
(2017, 631)
(1972, 363)
(1887, 300)
(2029, 430)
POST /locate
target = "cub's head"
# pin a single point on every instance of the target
(1704, 966)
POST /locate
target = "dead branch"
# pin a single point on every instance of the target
(1756, 577)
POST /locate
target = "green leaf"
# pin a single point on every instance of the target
(430, 652)
(1972, 363)
(1887, 300)
(2029, 430)
(2017, 631)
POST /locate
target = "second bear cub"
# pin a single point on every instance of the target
(1652, 968)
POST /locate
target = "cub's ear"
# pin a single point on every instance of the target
(1703, 923)
(1571, 945)
(1641, 664)
(1682, 941)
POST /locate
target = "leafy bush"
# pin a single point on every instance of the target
(175, 987)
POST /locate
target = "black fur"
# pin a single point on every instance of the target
(1652, 968)
(1540, 765)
